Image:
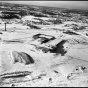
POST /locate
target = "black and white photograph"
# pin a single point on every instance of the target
(43, 43)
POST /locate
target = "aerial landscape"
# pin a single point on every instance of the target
(42, 46)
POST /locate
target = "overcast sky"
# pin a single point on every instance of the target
(62, 4)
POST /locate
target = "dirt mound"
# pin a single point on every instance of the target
(43, 38)
(22, 58)
(57, 49)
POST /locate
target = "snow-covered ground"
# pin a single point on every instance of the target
(50, 68)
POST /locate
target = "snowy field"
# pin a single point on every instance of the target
(50, 56)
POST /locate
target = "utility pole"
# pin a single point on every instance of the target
(5, 26)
